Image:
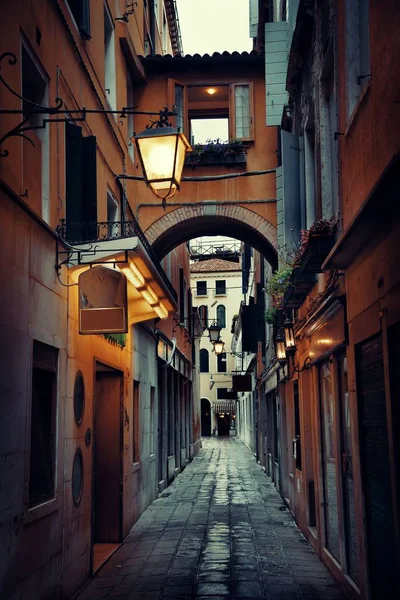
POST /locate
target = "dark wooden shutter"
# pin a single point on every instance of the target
(89, 180)
(375, 467)
(252, 327)
(74, 175)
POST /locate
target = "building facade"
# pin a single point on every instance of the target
(217, 290)
(335, 433)
(92, 426)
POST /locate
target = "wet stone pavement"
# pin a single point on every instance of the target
(219, 531)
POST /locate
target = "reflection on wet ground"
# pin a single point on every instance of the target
(219, 531)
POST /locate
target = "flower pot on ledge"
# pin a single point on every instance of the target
(318, 247)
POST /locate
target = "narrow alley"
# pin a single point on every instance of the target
(219, 531)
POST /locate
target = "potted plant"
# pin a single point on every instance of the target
(277, 286)
(315, 244)
(217, 152)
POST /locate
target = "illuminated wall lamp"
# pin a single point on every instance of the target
(214, 331)
(219, 347)
(162, 154)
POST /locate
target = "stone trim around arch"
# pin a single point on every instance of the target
(235, 212)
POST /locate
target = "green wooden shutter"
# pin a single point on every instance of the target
(291, 190)
(276, 63)
(253, 18)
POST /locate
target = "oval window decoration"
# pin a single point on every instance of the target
(77, 477)
(79, 398)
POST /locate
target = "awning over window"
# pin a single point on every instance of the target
(223, 406)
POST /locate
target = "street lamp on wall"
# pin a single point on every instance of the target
(219, 347)
(162, 152)
(285, 349)
(214, 331)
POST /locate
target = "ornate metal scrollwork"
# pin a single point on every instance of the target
(30, 108)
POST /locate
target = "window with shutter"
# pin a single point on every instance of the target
(80, 185)
(201, 288)
(220, 287)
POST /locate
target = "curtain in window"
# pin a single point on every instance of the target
(242, 111)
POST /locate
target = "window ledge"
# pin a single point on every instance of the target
(42, 510)
(224, 294)
(136, 467)
(152, 458)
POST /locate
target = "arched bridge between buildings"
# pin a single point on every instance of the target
(212, 218)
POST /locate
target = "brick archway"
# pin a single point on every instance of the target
(233, 220)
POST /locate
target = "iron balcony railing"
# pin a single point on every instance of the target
(82, 233)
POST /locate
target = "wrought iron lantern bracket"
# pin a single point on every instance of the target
(63, 115)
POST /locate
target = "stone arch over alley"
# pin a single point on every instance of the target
(212, 218)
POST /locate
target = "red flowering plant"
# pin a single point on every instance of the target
(318, 228)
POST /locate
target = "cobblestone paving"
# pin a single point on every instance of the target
(219, 531)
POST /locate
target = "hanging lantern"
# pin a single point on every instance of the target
(280, 349)
(289, 337)
(162, 152)
(214, 332)
(219, 347)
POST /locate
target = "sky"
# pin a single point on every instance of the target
(209, 26)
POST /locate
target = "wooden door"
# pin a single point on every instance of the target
(107, 487)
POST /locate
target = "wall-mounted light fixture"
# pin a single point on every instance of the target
(162, 152)
(219, 347)
(285, 348)
(214, 331)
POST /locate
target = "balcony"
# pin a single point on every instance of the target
(120, 243)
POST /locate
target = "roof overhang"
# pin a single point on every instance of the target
(150, 294)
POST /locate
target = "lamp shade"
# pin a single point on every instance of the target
(289, 337)
(162, 154)
(219, 347)
(214, 332)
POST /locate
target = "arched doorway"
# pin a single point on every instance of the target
(205, 417)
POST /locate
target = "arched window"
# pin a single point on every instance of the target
(204, 361)
(203, 315)
(221, 363)
(221, 316)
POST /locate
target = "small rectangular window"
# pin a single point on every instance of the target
(43, 423)
(80, 10)
(222, 363)
(201, 288)
(220, 287)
